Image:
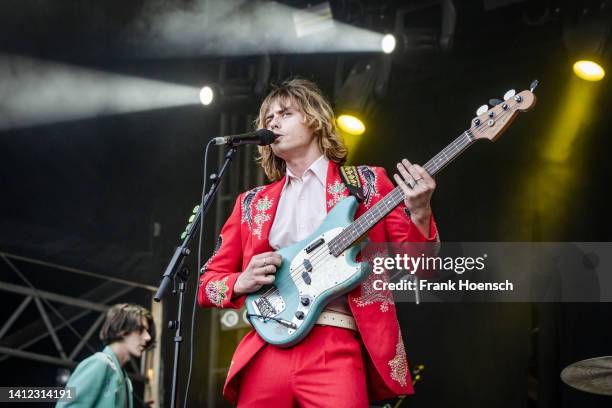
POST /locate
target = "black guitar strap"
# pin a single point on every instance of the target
(350, 178)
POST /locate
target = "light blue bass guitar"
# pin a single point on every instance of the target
(322, 267)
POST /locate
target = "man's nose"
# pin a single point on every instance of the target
(274, 123)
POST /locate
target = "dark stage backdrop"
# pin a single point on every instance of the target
(89, 193)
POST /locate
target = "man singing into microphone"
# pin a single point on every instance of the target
(355, 352)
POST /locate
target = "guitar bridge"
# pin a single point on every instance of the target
(270, 305)
(264, 306)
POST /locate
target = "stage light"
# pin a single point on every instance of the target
(589, 70)
(548, 189)
(356, 98)
(207, 95)
(313, 20)
(201, 28)
(388, 43)
(575, 112)
(230, 319)
(350, 124)
(234, 319)
(63, 374)
(46, 92)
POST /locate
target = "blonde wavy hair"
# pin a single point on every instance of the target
(306, 96)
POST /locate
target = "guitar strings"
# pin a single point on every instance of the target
(314, 260)
(478, 130)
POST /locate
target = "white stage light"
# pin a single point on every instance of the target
(388, 43)
(206, 95)
(40, 92)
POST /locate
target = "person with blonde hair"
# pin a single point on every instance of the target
(355, 353)
(100, 381)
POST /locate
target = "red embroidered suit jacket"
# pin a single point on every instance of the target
(245, 234)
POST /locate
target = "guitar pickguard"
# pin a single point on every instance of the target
(309, 277)
(314, 271)
(324, 274)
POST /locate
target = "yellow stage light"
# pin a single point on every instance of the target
(575, 113)
(589, 70)
(350, 124)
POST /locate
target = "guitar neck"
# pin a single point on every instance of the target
(371, 217)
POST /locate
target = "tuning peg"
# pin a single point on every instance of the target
(482, 110)
(495, 102)
(533, 85)
(509, 94)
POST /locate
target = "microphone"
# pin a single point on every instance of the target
(262, 137)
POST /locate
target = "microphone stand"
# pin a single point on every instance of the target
(176, 263)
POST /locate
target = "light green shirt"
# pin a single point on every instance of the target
(100, 382)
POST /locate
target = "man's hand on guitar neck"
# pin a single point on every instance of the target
(259, 272)
(418, 187)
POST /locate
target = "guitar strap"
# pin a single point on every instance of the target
(350, 178)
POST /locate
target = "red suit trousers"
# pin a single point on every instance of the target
(326, 369)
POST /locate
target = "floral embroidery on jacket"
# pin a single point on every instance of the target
(246, 208)
(337, 191)
(262, 216)
(216, 291)
(398, 364)
(369, 295)
(369, 184)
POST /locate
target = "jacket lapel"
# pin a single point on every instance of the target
(121, 375)
(264, 208)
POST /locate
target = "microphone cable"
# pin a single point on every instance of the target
(199, 260)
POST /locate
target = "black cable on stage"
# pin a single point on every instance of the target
(195, 295)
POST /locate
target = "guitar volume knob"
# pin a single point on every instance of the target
(299, 314)
(305, 301)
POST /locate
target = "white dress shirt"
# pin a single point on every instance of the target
(301, 210)
(301, 207)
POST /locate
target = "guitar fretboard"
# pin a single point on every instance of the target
(370, 218)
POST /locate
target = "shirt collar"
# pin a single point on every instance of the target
(109, 352)
(319, 168)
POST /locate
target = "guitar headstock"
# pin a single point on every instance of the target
(491, 123)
